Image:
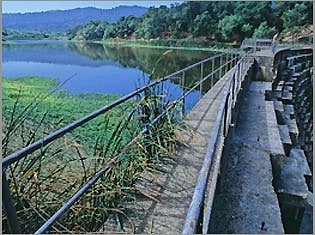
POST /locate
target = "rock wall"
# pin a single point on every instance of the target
(292, 93)
(293, 86)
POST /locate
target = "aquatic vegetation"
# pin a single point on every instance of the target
(44, 180)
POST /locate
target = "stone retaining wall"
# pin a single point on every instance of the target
(292, 93)
(293, 86)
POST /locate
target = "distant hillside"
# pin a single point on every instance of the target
(61, 20)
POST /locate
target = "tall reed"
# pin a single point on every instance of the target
(41, 182)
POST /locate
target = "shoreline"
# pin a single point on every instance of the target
(134, 43)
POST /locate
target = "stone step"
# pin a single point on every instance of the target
(285, 138)
(290, 83)
(289, 110)
(288, 88)
(279, 111)
(293, 130)
(306, 226)
(281, 83)
(292, 182)
(278, 106)
(300, 157)
(279, 88)
(277, 94)
(286, 97)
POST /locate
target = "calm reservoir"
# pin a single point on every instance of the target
(96, 68)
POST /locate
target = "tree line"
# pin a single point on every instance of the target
(211, 20)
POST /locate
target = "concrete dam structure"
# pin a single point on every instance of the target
(265, 183)
(260, 175)
(245, 163)
(257, 169)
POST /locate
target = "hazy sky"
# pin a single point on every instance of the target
(9, 6)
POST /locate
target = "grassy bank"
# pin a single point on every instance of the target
(40, 101)
(184, 44)
(43, 181)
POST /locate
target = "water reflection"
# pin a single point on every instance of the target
(142, 58)
(100, 68)
(146, 60)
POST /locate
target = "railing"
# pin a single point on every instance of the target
(256, 44)
(198, 215)
(308, 57)
(208, 76)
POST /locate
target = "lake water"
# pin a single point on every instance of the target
(96, 68)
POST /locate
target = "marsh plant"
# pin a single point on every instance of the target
(134, 141)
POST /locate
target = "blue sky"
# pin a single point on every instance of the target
(36, 6)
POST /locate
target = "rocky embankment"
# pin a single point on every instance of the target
(292, 95)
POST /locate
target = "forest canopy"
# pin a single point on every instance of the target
(207, 20)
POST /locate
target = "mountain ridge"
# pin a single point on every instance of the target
(62, 20)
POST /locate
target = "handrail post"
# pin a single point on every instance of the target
(213, 75)
(227, 63)
(220, 72)
(239, 79)
(183, 94)
(201, 77)
(9, 206)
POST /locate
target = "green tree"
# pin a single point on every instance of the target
(202, 24)
(264, 31)
(110, 32)
(278, 10)
(229, 25)
(295, 19)
(227, 20)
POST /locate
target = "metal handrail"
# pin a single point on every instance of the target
(59, 133)
(77, 195)
(197, 203)
(258, 43)
(8, 202)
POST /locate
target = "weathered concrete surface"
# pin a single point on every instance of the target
(173, 190)
(246, 201)
(168, 215)
(292, 181)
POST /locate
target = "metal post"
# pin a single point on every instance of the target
(201, 77)
(183, 94)
(237, 79)
(242, 65)
(213, 75)
(227, 63)
(220, 72)
(9, 206)
(240, 79)
(234, 89)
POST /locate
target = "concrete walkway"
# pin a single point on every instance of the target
(168, 215)
(174, 189)
(246, 201)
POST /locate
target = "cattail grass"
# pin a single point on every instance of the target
(141, 144)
